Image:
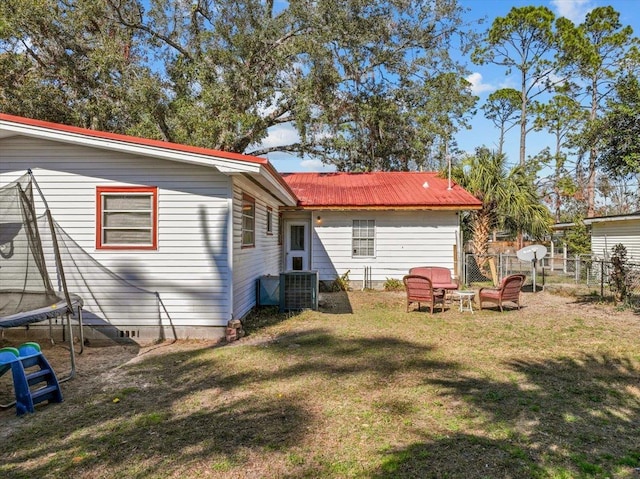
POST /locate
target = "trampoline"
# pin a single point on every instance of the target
(34, 307)
(28, 272)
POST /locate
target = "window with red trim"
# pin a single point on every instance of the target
(127, 217)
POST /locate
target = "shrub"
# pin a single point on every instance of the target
(341, 283)
(393, 284)
(619, 278)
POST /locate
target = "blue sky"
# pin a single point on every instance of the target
(485, 79)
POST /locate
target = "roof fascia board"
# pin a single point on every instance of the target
(607, 219)
(276, 183)
(562, 226)
(223, 165)
(387, 208)
(270, 184)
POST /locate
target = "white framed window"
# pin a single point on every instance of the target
(127, 217)
(363, 238)
(248, 221)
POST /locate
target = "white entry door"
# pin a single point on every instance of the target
(297, 246)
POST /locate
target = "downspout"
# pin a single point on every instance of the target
(461, 258)
(230, 244)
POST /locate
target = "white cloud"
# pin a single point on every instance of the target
(574, 10)
(477, 86)
(311, 164)
(509, 82)
(279, 135)
(287, 163)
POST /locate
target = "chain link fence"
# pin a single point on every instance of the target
(582, 272)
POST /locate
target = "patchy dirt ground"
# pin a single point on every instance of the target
(557, 300)
(327, 388)
(98, 364)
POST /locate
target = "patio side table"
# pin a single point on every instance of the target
(465, 300)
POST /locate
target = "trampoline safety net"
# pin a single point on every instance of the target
(32, 275)
(24, 280)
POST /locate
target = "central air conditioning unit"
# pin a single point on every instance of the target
(298, 290)
(268, 290)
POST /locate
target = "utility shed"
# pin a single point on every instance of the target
(607, 231)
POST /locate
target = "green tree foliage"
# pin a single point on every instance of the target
(561, 117)
(595, 52)
(389, 90)
(509, 199)
(618, 132)
(577, 238)
(503, 109)
(67, 62)
(367, 84)
(523, 40)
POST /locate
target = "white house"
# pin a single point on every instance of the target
(204, 228)
(608, 231)
(200, 226)
(381, 223)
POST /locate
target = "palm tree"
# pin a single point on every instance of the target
(509, 200)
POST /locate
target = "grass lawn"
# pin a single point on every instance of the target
(360, 389)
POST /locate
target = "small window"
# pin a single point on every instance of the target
(280, 230)
(363, 238)
(269, 221)
(248, 221)
(127, 217)
(296, 235)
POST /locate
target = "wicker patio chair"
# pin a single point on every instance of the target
(508, 290)
(420, 290)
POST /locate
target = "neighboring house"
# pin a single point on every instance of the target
(608, 231)
(384, 222)
(200, 226)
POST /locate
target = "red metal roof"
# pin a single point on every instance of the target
(145, 142)
(379, 190)
(133, 139)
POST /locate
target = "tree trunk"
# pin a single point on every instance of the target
(591, 184)
(523, 120)
(556, 179)
(480, 241)
(593, 154)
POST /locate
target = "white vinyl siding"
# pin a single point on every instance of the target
(403, 239)
(190, 269)
(263, 259)
(605, 235)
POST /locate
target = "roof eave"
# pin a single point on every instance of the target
(258, 168)
(224, 165)
(272, 182)
(389, 207)
(608, 219)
